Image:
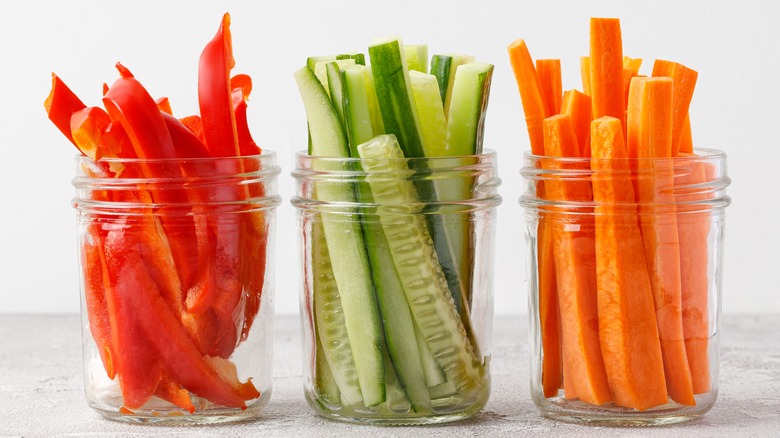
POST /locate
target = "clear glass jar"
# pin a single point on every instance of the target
(624, 297)
(176, 274)
(397, 295)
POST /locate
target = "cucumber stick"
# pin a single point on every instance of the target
(320, 70)
(344, 238)
(416, 262)
(325, 384)
(430, 111)
(446, 68)
(416, 57)
(466, 119)
(440, 67)
(403, 350)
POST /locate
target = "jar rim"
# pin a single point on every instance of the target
(701, 154)
(304, 155)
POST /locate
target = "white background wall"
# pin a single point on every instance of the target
(736, 108)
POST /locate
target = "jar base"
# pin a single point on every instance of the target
(385, 417)
(179, 417)
(575, 411)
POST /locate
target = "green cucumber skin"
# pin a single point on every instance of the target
(336, 88)
(396, 99)
(416, 262)
(440, 67)
(466, 122)
(344, 238)
(325, 384)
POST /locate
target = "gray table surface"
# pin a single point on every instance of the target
(41, 389)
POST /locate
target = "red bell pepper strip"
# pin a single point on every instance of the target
(87, 126)
(95, 297)
(214, 93)
(164, 105)
(194, 124)
(136, 365)
(169, 390)
(128, 102)
(61, 104)
(162, 330)
(242, 87)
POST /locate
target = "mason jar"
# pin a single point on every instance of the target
(624, 290)
(397, 284)
(176, 278)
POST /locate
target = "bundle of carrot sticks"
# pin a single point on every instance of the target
(623, 296)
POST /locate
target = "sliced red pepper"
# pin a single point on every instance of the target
(194, 124)
(87, 126)
(95, 297)
(214, 93)
(242, 86)
(164, 105)
(185, 142)
(171, 391)
(160, 327)
(128, 102)
(136, 365)
(60, 106)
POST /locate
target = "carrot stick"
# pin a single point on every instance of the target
(530, 93)
(686, 139)
(575, 271)
(585, 73)
(650, 124)
(626, 317)
(549, 71)
(606, 69)
(684, 82)
(630, 70)
(694, 227)
(550, 320)
(578, 106)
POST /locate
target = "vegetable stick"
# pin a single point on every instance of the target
(630, 70)
(684, 82)
(606, 69)
(626, 319)
(549, 71)
(550, 319)
(578, 106)
(585, 73)
(694, 228)
(530, 93)
(575, 271)
(650, 124)
(686, 140)
(530, 88)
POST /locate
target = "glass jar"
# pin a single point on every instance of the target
(397, 294)
(624, 297)
(176, 276)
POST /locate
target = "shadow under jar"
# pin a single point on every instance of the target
(176, 275)
(397, 296)
(625, 259)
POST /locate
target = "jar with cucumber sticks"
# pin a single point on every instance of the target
(397, 296)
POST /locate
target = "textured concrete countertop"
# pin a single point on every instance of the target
(41, 389)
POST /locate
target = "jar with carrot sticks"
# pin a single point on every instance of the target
(625, 229)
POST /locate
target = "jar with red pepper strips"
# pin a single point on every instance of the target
(176, 286)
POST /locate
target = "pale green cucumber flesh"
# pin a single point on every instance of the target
(329, 319)
(360, 59)
(457, 61)
(321, 72)
(346, 245)
(416, 57)
(357, 109)
(434, 375)
(433, 125)
(466, 119)
(336, 87)
(416, 262)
